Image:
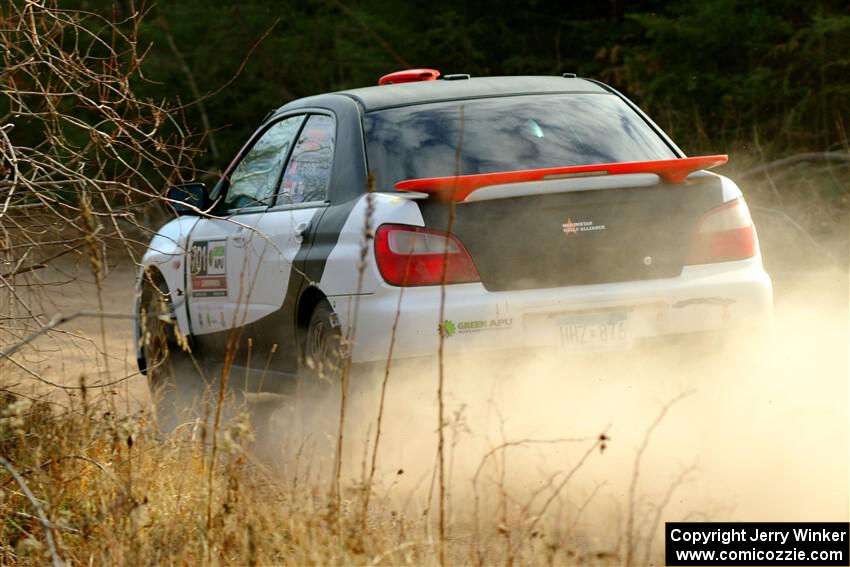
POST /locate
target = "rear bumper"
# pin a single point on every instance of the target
(712, 297)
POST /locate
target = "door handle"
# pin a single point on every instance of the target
(300, 230)
(238, 239)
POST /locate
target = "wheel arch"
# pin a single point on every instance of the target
(148, 276)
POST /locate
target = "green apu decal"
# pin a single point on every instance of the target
(476, 326)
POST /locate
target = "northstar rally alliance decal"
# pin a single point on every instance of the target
(571, 227)
(208, 267)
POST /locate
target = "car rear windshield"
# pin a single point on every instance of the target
(505, 134)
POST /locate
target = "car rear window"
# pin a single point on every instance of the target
(505, 134)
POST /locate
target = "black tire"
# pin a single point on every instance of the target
(323, 348)
(172, 376)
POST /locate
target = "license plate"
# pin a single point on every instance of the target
(594, 331)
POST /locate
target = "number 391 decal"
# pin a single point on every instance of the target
(208, 268)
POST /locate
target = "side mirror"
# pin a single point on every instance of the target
(187, 198)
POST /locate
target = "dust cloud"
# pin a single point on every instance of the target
(754, 428)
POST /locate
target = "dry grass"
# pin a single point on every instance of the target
(115, 492)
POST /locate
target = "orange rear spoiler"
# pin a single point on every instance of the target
(460, 187)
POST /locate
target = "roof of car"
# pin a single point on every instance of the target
(404, 94)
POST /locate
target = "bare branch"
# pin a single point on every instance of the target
(57, 320)
(42, 517)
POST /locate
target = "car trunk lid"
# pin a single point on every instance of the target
(578, 231)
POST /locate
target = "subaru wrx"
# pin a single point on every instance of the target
(552, 211)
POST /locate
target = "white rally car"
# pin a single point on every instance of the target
(556, 214)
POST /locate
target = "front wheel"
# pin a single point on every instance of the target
(172, 375)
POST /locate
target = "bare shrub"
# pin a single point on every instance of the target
(83, 159)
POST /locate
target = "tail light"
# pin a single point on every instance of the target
(724, 234)
(415, 256)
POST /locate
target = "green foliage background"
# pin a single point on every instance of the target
(718, 75)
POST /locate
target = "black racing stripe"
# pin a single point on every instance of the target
(325, 238)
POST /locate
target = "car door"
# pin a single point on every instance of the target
(301, 200)
(262, 242)
(227, 277)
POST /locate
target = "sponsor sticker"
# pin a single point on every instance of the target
(208, 267)
(452, 328)
(574, 228)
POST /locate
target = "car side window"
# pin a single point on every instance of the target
(254, 179)
(309, 169)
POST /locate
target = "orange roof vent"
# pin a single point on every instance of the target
(409, 76)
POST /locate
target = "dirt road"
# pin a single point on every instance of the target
(75, 351)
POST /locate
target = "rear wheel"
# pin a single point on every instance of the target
(323, 354)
